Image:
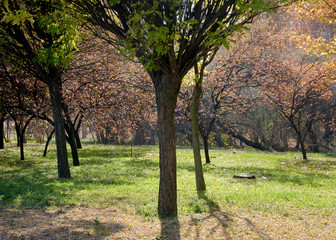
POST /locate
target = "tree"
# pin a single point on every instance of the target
(17, 93)
(41, 37)
(104, 89)
(318, 39)
(292, 82)
(199, 74)
(168, 38)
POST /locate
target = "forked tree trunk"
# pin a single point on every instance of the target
(200, 183)
(71, 140)
(167, 88)
(56, 103)
(302, 146)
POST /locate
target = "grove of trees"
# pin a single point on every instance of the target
(229, 73)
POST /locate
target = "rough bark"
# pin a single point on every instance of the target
(56, 103)
(200, 183)
(167, 88)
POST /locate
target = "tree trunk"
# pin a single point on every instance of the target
(167, 88)
(56, 102)
(313, 137)
(218, 139)
(302, 146)
(303, 150)
(241, 138)
(206, 149)
(71, 140)
(2, 133)
(77, 138)
(21, 136)
(47, 143)
(7, 135)
(200, 183)
(84, 131)
(17, 130)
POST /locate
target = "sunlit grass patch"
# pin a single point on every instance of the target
(128, 177)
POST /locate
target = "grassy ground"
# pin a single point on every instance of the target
(289, 198)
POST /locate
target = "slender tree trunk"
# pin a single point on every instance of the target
(77, 138)
(47, 143)
(200, 183)
(17, 130)
(206, 149)
(2, 133)
(21, 136)
(56, 102)
(71, 140)
(7, 135)
(312, 136)
(167, 89)
(73, 146)
(302, 146)
(303, 150)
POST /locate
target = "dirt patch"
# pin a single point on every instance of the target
(109, 223)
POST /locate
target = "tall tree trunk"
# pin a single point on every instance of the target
(2, 133)
(200, 183)
(167, 88)
(56, 102)
(47, 143)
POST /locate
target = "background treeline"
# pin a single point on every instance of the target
(268, 92)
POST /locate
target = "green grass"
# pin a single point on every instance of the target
(110, 176)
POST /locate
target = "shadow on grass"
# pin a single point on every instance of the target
(223, 222)
(54, 225)
(34, 190)
(113, 152)
(170, 229)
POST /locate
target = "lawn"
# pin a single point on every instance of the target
(113, 195)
